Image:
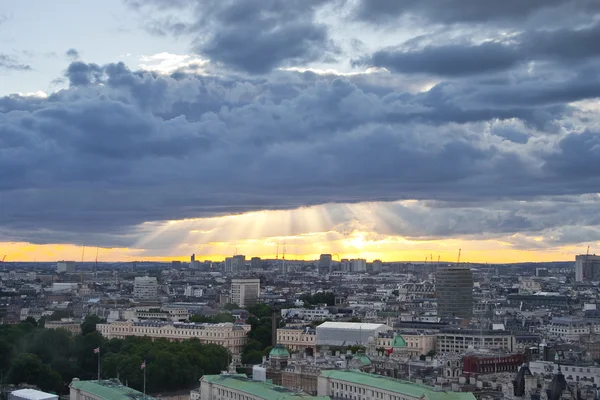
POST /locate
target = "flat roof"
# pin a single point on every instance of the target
(351, 325)
(264, 390)
(108, 389)
(395, 385)
(33, 394)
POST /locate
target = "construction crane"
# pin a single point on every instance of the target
(458, 262)
(3, 258)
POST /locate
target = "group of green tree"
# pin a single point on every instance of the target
(50, 359)
(318, 298)
(260, 336)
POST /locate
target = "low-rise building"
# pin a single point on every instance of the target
(297, 339)
(103, 389)
(417, 343)
(66, 324)
(231, 336)
(491, 363)
(363, 386)
(239, 387)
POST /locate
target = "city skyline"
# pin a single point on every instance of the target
(154, 129)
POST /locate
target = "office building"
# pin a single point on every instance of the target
(228, 266)
(325, 263)
(348, 333)
(244, 292)
(457, 340)
(255, 263)
(454, 289)
(103, 389)
(67, 267)
(238, 264)
(145, 288)
(359, 265)
(297, 338)
(240, 387)
(352, 384)
(587, 268)
(377, 266)
(231, 336)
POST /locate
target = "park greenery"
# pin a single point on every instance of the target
(50, 359)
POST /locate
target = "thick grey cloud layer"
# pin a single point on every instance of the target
(120, 147)
(563, 47)
(254, 36)
(473, 11)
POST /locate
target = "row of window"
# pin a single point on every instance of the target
(343, 390)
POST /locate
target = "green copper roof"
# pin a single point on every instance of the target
(279, 351)
(363, 359)
(264, 390)
(408, 389)
(398, 342)
(109, 390)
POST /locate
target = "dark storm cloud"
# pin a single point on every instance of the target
(119, 148)
(72, 54)
(10, 63)
(472, 11)
(254, 36)
(562, 46)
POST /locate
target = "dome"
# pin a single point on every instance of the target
(398, 342)
(279, 351)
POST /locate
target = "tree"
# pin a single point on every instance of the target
(319, 298)
(213, 319)
(59, 314)
(260, 310)
(231, 306)
(28, 368)
(89, 323)
(30, 321)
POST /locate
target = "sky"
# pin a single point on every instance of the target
(382, 129)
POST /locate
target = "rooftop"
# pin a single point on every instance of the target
(108, 389)
(351, 325)
(263, 390)
(394, 385)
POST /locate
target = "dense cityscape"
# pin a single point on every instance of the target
(266, 329)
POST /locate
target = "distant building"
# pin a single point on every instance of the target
(454, 288)
(541, 272)
(145, 288)
(103, 389)
(325, 263)
(345, 265)
(67, 267)
(377, 266)
(297, 339)
(231, 336)
(228, 266)
(587, 268)
(238, 264)
(255, 263)
(359, 265)
(66, 324)
(245, 292)
(491, 363)
(348, 384)
(457, 340)
(348, 333)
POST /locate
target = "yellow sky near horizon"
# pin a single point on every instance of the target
(472, 251)
(366, 230)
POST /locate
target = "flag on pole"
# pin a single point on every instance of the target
(97, 350)
(390, 350)
(143, 365)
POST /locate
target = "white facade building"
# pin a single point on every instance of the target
(348, 333)
(145, 288)
(245, 292)
(358, 265)
(231, 336)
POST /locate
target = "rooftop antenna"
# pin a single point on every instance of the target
(283, 258)
(97, 249)
(587, 254)
(458, 261)
(277, 254)
(82, 253)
